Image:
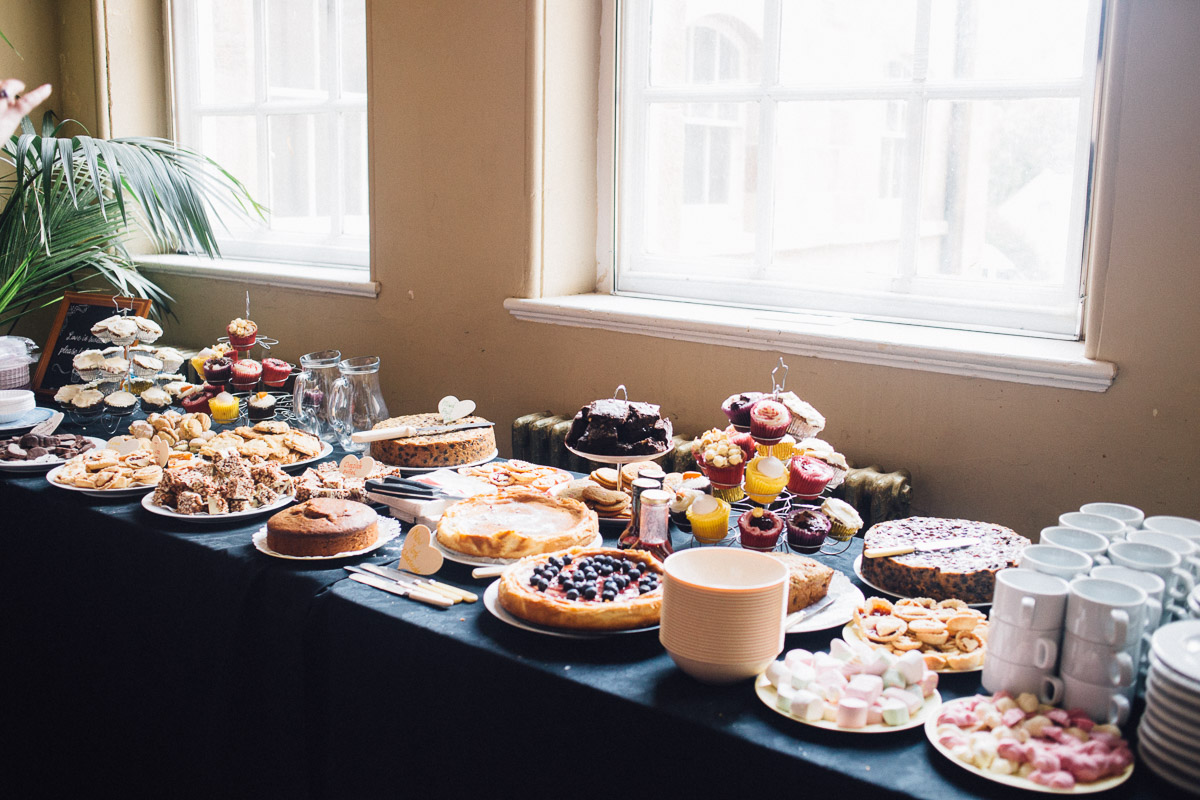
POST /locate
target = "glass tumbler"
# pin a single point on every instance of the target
(357, 400)
(312, 395)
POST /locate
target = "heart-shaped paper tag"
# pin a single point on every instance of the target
(451, 408)
(125, 447)
(418, 553)
(354, 467)
(161, 451)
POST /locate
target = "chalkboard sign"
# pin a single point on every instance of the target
(71, 334)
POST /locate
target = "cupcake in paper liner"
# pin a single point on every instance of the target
(840, 468)
(171, 358)
(88, 364)
(120, 403)
(148, 331)
(806, 420)
(680, 505)
(737, 408)
(730, 494)
(808, 476)
(769, 421)
(843, 518)
(721, 461)
(766, 477)
(782, 451)
(122, 331)
(710, 518)
(146, 366)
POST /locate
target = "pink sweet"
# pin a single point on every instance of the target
(1059, 717)
(959, 715)
(865, 687)
(874, 715)
(952, 740)
(1013, 750)
(850, 669)
(1012, 717)
(851, 713)
(1083, 723)
(1045, 761)
(795, 658)
(928, 682)
(1055, 780)
(1118, 760)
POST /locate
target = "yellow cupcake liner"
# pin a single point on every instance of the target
(783, 451)
(840, 530)
(711, 527)
(729, 494)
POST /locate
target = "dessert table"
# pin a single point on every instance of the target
(172, 658)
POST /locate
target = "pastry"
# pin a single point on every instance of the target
(769, 421)
(145, 366)
(808, 580)
(807, 528)
(766, 476)
(599, 588)
(844, 519)
(930, 628)
(243, 333)
(227, 480)
(88, 402)
(808, 476)
(737, 409)
(328, 480)
(806, 420)
(619, 428)
(66, 394)
(171, 358)
(759, 529)
(323, 526)
(177, 389)
(88, 364)
(967, 573)
(218, 370)
(224, 407)
(721, 461)
(114, 368)
(515, 472)
(120, 403)
(275, 372)
(260, 406)
(155, 399)
(516, 523)
(710, 518)
(438, 450)
(148, 331)
(246, 373)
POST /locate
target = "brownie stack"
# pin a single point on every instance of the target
(619, 428)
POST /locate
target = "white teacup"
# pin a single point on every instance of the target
(1103, 703)
(1001, 675)
(1130, 515)
(1107, 527)
(1088, 542)
(1098, 663)
(1180, 526)
(1148, 582)
(1023, 646)
(1187, 549)
(1053, 560)
(1193, 603)
(1159, 560)
(1030, 599)
(1108, 612)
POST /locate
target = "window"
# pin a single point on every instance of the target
(914, 160)
(276, 92)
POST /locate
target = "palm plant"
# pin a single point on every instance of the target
(71, 203)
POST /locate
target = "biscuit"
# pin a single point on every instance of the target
(606, 477)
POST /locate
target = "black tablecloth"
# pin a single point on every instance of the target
(171, 658)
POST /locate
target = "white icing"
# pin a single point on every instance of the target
(771, 468)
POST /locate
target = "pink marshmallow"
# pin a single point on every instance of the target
(1012, 717)
(1013, 750)
(1059, 717)
(850, 669)
(851, 713)
(928, 682)
(865, 687)
(796, 657)
(874, 715)
(1045, 761)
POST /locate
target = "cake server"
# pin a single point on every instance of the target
(903, 550)
(408, 431)
(412, 593)
(407, 577)
(805, 613)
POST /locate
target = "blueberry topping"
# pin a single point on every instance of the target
(566, 559)
(634, 574)
(643, 588)
(610, 595)
(542, 584)
(590, 593)
(572, 594)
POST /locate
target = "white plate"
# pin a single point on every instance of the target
(851, 633)
(326, 449)
(1182, 685)
(491, 601)
(1171, 691)
(1164, 770)
(1166, 715)
(234, 516)
(388, 529)
(484, 561)
(858, 572)
(27, 421)
(617, 459)
(42, 466)
(423, 470)
(1171, 751)
(847, 597)
(766, 693)
(1017, 781)
(128, 491)
(1178, 646)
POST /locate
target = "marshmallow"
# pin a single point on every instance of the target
(802, 676)
(911, 666)
(874, 714)
(840, 650)
(850, 669)
(807, 706)
(929, 682)
(865, 687)
(894, 712)
(778, 674)
(1027, 702)
(795, 658)
(892, 677)
(878, 662)
(832, 693)
(824, 661)
(831, 677)
(830, 714)
(783, 698)
(851, 713)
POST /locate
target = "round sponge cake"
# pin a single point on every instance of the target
(323, 526)
(438, 450)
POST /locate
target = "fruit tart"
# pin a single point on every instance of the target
(585, 588)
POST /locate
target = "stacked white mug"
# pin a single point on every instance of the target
(1024, 630)
(1102, 646)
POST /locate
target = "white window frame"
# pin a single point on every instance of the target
(683, 280)
(264, 245)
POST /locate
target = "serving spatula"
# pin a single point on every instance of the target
(903, 550)
(409, 431)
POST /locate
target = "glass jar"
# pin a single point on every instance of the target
(312, 394)
(357, 403)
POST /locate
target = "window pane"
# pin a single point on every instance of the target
(354, 47)
(698, 192)
(832, 41)
(997, 190)
(302, 192)
(225, 51)
(835, 204)
(296, 40)
(233, 143)
(354, 150)
(701, 42)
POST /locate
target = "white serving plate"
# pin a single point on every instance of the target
(766, 693)
(881, 590)
(851, 633)
(484, 561)
(423, 470)
(847, 597)
(26, 421)
(388, 529)
(128, 491)
(1178, 647)
(42, 466)
(491, 601)
(206, 518)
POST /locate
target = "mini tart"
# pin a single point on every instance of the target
(516, 523)
(629, 609)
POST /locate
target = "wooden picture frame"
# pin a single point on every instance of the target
(71, 333)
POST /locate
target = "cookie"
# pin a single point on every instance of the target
(605, 477)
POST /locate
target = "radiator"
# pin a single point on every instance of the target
(877, 495)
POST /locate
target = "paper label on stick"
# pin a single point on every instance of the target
(354, 467)
(451, 408)
(418, 553)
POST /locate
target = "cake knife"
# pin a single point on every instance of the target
(408, 431)
(805, 613)
(903, 550)
(407, 577)
(395, 588)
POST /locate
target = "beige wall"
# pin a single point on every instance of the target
(451, 239)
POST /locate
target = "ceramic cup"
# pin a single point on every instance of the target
(1030, 599)
(1098, 663)
(1088, 542)
(1001, 675)
(1187, 549)
(1108, 612)
(1024, 646)
(1101, 702)
(1052, 560)
(1107, 527)
(1193, 604)
(1180, 526)
(1148, 582)
(1159, 560)
(1130, 515)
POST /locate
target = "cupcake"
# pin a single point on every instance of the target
(177, 389)
(721, 460)
(806, 420)
(275, 372)
(218, 370)
(823, 450)
(765, 479)
(171, 358)
(737, 408)
(742, 439)
(710, 518)
(769, 421)
(782, 451)
(680, 505)
(759, 529)
(88, 364)
(243, 333)
(66, 394)
(138, 385)
(260, 406)
(224, 407)
(148, 330)
(196, 402)
(155, 399)
(120, 403)
(807, 528)
(114, 369)
(843, 518)
(122, 331)
(246, 373)
(88, 402)
(146, 366)
(730, 494)
(808, 476)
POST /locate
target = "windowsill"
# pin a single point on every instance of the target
(311, 277)
(1017, 359)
